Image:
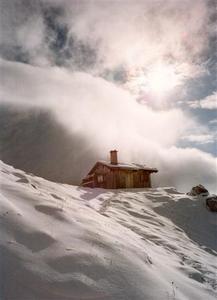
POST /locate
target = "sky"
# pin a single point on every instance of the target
(136, 76)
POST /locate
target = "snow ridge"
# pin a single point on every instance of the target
(62, 242)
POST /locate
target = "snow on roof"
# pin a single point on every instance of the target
(132, 166)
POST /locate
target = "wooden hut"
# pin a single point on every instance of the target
(115, 175)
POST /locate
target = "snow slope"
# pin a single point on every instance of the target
(62, 242)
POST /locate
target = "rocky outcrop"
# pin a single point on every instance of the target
(198, 190)
(211, 203)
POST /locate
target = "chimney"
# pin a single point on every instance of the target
(114, 157)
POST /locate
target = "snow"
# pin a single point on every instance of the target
(66, 242)
(132, 166)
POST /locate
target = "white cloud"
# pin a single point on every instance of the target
(84, 101)
(185, 168)
(199, 138)
(214, 121)
(109, 117)
(209, 102)
(137, 35)
(153, 29)
(133, 34)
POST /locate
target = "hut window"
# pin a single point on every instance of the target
(100, 178)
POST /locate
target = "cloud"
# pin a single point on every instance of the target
(214, 121)
(185, 168)
(109, 28)
(107, 117)
(85, 101)
(114, 40)
(22, 31)
(80, 57)
(199, 138)
(147, 26)
(209, 102)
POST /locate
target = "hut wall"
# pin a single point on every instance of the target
(121, 179)
(104, 177)
(111, 180)
(129, 180)
(132, 179)
(147, 180)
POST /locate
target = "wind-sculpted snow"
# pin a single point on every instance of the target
(65, 242)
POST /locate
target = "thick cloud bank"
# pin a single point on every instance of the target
(95, 116)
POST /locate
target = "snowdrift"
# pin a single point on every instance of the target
(62, 242)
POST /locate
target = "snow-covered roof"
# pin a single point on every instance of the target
(132, 166)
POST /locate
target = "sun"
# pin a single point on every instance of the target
(158, 80)
(162, 78)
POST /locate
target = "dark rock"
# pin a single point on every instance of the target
(211, 203)
(198, 190)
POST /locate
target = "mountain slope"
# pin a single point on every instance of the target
(65, 242)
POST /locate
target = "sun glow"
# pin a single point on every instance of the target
(159, 80)
(162, 78)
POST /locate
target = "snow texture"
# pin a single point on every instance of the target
(132, 166)
(62, 242)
